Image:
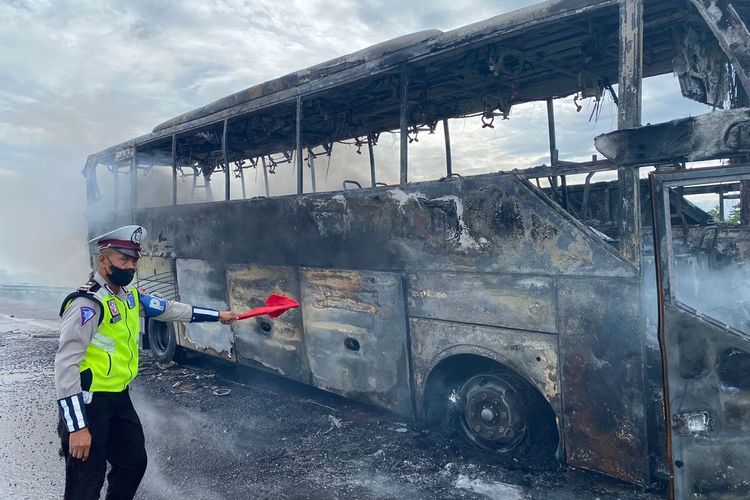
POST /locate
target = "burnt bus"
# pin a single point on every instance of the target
(602, 322)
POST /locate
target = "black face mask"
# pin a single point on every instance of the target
(119, 276)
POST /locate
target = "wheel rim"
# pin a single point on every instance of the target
(494, 413)
(161, 337)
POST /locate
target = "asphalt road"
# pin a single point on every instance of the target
(267, 438)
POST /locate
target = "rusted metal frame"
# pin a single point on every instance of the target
(134, 185)
(298, 142)
(265, 176)
(174, 169)
(227, 172)
(352, 75)
(311, 162)
(448, 157)
(718, 189)
(404, 125)
(680, 178)
(661, 245)
(628, 116)
(661, 183)
(242, 182)
(566, 168)
(409, 354)
(547, 63)
(116, 185)
(731, 33)
(741, 100)
(371, 155)
(586, 190)
(553, 153)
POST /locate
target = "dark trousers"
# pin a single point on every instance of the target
(117, 438)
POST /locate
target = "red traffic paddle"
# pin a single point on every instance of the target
(275, 307)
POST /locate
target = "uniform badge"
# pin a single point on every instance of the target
(113, 311)
(131, 300)
(137, 236)
(86, 314)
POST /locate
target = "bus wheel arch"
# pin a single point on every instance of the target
(489, 404)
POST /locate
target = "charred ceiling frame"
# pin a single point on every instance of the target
(539, 53)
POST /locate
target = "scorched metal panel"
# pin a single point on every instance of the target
(273, 343)
(355, 335)
(203, 283)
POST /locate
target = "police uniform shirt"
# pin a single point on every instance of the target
(80, 321)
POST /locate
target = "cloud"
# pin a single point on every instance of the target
(80, 76)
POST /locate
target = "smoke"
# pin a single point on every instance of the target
(80, 77)
(714, 290)
(176, 435)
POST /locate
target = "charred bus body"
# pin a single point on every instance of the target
(524, 314)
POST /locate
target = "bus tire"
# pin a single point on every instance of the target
(498, 410)
(163, 341)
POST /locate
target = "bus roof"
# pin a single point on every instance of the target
(551, 49)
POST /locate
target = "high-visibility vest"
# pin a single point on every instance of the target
(112, 355)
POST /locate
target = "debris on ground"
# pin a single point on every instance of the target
(335, 423)
(180, 388)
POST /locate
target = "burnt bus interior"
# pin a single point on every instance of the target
(478, 301)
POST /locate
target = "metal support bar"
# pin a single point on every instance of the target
(265, 176)
(134, 185)
(174, 169)
(242, 181)
(563, 182)
(298, 142)
(731, 32)
(227, 173)
(586, 191)
(721, 207)
(552, 141)
(448, 157)
(116, 186)
(403, 94)
(311, 162)
(629, 115)
(371, 152)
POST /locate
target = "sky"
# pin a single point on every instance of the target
(79, 76)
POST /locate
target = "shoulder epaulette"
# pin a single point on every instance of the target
(91, 286)
(91, 290)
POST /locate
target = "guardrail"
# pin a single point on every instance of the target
(9, 287)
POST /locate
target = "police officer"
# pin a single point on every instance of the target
(98, 359)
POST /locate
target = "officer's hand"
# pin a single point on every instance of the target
(80, 444)
(227, 317)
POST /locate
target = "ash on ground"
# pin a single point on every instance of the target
(216, 431)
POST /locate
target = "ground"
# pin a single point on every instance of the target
(267, 438)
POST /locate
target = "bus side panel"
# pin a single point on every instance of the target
(270, 343)
(494, 223)
(532, 355)
(523, 302)
(601, 354)
(203, 283)
(156, 276)
(355, 335)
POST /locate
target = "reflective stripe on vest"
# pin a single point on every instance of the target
(112, 355)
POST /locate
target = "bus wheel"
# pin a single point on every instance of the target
(163, 341)
(493, 412)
